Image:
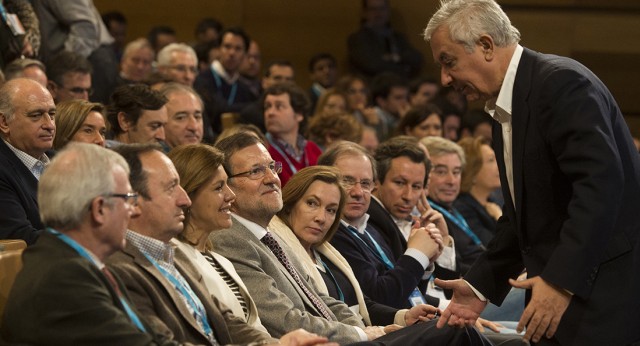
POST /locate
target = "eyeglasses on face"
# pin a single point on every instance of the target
(130, 198)
(350, 182)
(184, 68)
(260, 171)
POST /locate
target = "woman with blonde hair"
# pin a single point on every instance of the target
(79, 121)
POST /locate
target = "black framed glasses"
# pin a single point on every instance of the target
(365, 184)
(260, 171)
(130, 198)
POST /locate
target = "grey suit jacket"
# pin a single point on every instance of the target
(156, 299)
(282, 305)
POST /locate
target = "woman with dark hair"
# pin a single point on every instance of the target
(312, 203)
(205, 181)
(421, 122)
(79, 121)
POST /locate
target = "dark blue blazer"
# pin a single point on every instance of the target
(19, 213)
(574, 220)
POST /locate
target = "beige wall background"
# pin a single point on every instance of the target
(603, 35)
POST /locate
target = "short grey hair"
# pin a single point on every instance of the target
(438, 146)
(164, 55)
(15, 69)
(467, 20)
(136, 45)
(76, 175)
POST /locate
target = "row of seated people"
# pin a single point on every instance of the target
(151, 288)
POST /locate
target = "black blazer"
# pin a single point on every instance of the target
(577, 195)
(20, 218)
(477, 217)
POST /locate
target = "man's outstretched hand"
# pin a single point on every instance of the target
(465, 306)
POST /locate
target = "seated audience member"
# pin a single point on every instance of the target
(207, 53)
(276, 280)
(116, 23)
(422, 91)
(179, 63)
(358, 99)
(327, 129)
(64, 286)
(136, 114)
(184, 115)
(369, 139)
(376, 47)
(137, 59)
(160, 36)
(331, 101)
(27, 130)
(390, 95)
(451, 119)
(323, 70)
(448, 162)
(69, 77)
(285, 109)
(390, 269)
(421, 121)
(164, 286)
(26, 68)
(477, 123)
(277, 71)
(79, 121)
(251, 68)
(313, 198)
(480, 178)
(205, 181)
(218, 85)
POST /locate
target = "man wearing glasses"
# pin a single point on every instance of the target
(64, 287)
(179, 63)
(384, 277)
(69, 77)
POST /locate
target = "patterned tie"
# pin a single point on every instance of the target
(273, 245)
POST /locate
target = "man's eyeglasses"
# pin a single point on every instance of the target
(130, 198)
(79, 90)
(365, 184)
(260, 171)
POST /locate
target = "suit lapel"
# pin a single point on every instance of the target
(22, 173)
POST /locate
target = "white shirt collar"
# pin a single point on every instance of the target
(504, 100)
(362, 223)
(219, 69)
(256, 229)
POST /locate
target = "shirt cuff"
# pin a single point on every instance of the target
(447, 258)
(478, 294)
(399, 317)
(418, 256)
(363, 335)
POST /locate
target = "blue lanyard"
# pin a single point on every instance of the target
(333, 278)
(381, 255)
(458, 220)
(234, 87)
(192, 299)
(276, 146)
(3, 12)
(82, 252)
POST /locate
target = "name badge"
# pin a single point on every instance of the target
(15, 25)
(416, 298)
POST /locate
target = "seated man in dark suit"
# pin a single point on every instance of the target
(27, 129)
(163, 285)
(63, 295)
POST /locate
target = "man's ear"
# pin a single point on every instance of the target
(53, 88)
(125, 125)
(97, 210)
(488, 47)
(299, 117)
(4, 125)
